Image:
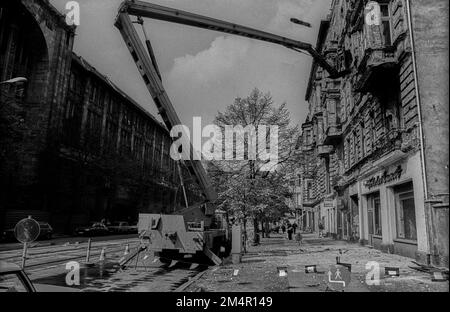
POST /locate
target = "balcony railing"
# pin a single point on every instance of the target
(389, 142)
(333, 134)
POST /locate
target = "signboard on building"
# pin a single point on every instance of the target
(384, 178)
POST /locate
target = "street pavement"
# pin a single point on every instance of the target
(260, 269)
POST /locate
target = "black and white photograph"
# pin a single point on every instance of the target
(224, 151)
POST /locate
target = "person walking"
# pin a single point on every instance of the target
(321, 227)
(295, 227)
(283, 229)
(290, 229)
(299, 238)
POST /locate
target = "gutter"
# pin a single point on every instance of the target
(419, 104)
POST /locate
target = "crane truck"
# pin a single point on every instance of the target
(189, 232)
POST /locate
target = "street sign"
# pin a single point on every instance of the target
(27, 230)
(310, 269)
(338, 276)
(390, 271)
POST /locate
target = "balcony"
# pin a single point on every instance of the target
(307, 147)
(376, 65)
(389, 142)
(331, 47)
(333, 135)
(324, 150)
(385, 150)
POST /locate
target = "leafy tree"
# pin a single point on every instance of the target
(254, 187)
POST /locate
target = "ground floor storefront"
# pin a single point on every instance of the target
(259, 269)
(390, 201)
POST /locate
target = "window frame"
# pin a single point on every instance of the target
(408, 195)
(386, 19)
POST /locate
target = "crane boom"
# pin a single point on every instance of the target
(159, 12)
(154, 85)
(146, 63)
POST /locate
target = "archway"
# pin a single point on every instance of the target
(23, 49)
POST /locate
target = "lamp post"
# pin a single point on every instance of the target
(14, 81)
(10, 82)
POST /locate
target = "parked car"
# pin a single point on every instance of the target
(46, 230)
(8, 235)
(95, 229)
(14, 279)
(134, 229)
(120, 227)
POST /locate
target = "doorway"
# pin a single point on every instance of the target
(374, 216)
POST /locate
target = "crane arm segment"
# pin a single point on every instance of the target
(154, 85)
(158, 12)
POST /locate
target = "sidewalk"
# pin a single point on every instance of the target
(258, 271)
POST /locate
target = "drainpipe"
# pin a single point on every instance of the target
(419, 105)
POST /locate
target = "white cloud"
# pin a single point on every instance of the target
(209, 66)
(208, 82)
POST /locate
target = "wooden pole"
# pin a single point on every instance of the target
(24, 254)
(88, 251)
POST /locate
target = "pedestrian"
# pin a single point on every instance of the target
(321, 229)
(283, 228)
(295, 227)
(299, 238)
(290, 229)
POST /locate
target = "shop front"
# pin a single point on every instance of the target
(391, 208)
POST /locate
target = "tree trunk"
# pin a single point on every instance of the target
(267, 228)
(255, 231)
(263, 232)
(245, 235)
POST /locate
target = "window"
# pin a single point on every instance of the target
(309, 190)
(346, 153)
(386, 23)
(374, 214)
(125, 141)
(363, 139)
(405, 212)
(138, 147)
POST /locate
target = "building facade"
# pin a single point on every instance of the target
(74, 147)
(366, 131)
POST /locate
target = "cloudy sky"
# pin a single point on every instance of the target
(203, 71)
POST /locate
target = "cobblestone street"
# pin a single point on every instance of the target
(259, 269)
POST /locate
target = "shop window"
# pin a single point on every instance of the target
(374, 214)
(405, 212)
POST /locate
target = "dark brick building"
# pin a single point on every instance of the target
(74, 147)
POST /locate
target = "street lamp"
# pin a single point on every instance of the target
(10, 82)
(14, 80)
(299, 22)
